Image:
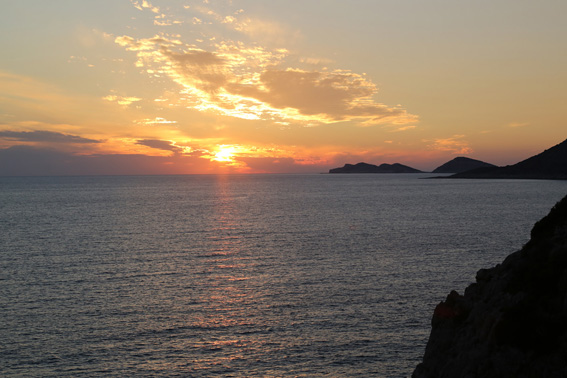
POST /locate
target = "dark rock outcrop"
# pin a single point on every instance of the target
(550, 164)
(461, 164)
(513, 321)
(371, 168)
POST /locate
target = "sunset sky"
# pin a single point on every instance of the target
(250, 86)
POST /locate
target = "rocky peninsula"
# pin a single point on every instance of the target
(513, 321)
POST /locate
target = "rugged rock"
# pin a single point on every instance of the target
(550, 164)
(513, 321)
(461, 164)
(371, 168)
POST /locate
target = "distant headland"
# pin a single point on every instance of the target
(462, 164)
(551, 164)
(371, 168)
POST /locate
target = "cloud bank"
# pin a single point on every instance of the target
(35, 161)
(44, 136)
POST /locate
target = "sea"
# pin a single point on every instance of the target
(313, 275)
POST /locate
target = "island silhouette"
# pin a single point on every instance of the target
(462, 164)
(371, 168)
(550, 164)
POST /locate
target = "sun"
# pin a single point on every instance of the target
(225, 154)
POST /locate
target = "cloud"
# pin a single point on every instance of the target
(33, 161)
(44, 136)
(198, 69)
(160, 145)
(403, 128)
(155, 121)
(518, 124)
(120, 100)
(269, 32)
(144, 4)
(330, 96)
(245, 82)
(144, 44)
(454, 144)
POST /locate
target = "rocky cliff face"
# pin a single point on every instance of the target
(513, 321)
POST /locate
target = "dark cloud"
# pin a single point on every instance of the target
(33, 161)
(44, 136)
(159, 144)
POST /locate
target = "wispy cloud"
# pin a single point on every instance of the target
(269, 32)
(155, 121)
(455, 144)
(121, 100)
(403, 128)
(163, 145)
(144, 4)
(518, 124)
(44, 136)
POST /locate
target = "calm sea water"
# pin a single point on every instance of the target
(243, 276)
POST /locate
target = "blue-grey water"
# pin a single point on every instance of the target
(243, 275)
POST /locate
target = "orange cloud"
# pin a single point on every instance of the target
(454, 144)
(518, 124)
(246, 83)
(121, 100)
(144, 4)
(155, 121)
(320, 96)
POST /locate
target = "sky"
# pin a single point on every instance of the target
(250, 86)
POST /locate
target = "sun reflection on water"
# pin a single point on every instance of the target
(229, 299)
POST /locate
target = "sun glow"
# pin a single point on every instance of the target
(225, 154)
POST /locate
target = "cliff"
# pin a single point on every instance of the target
(513, 321)
(461, 164)
(371, 168)
(550, 164)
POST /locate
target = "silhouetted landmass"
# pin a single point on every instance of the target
(371, 168)
(550, 164)
(512, 321)
(461, 164)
